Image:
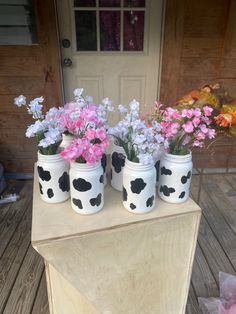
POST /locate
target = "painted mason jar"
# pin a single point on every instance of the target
(66, 139)
(53, 174)
(139, 187)
(104, 168)
(117, 166)
(157, 158)
(87, 188)
(175, 177)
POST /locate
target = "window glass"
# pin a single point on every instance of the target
(133, 30)
(110, 30)
(109, 3)
(134, 3)
(84, 3)
(86, 33)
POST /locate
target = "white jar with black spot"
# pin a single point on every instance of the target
(66, 140)
(175, 177)
(139, 187)
(117, 165)
(53, 175)
(87, 188)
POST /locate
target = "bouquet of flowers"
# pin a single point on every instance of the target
(139, 141)
(91, 139)
(186, 128)
(47, 128)
(227, 117)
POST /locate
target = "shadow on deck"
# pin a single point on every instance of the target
(22, 276)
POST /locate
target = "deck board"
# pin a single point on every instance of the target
(22, 275)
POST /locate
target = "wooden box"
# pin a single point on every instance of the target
(115, 262)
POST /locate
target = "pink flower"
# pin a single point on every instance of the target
(186, 140)
(188, 127)
(188, 113)
(197, 112)
(203, 128)
(197, 143)
(211, 133)
(196, 121)
(200, 136)
(207, 111)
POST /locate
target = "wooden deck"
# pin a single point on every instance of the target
(22, 277)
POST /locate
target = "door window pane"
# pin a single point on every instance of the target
(133, 30)
(110, 30)
(86, 33)
(84, 3)
(17, 23)
(134, 3)
(109, 3)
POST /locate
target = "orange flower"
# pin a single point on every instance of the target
(224, 119)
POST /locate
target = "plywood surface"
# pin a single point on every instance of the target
(56, 221)
(143, 268)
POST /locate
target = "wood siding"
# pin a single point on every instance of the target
(33, 71)
(200, 48)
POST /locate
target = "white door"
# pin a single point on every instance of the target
(112, 48)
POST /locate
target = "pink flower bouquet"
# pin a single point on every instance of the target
(186, 128)
(91, 139)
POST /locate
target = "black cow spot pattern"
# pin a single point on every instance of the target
(64, 182)
(132, 206)
(118, 161)
(50, 193)
(157, 166)
(184, 179)
(43, 174)
(101, 179)
(166, 171)
(166, 191)
(137, 185)
(97, 200)
(104, 162)
(124, 194)
(77, 203)
(149, 201)
(182, 194)
(40, 188)
(82, 185)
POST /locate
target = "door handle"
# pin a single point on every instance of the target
(67, 62)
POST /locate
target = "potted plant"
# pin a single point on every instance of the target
(85, 152)
(140, 143)
(183, 129)
(53, 171)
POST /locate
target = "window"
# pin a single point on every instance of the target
(17, 22)
(109, 25)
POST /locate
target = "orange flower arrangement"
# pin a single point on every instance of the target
(227, 117)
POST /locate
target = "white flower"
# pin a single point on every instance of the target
(35, 128)
(78, 92)
(89, 99)
(52, 136)
(145, 159)
(35, 108)
(53, 118)
(134, 105)
(122, 109)
(20, 101)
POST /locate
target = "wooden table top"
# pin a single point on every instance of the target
(52, 222)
